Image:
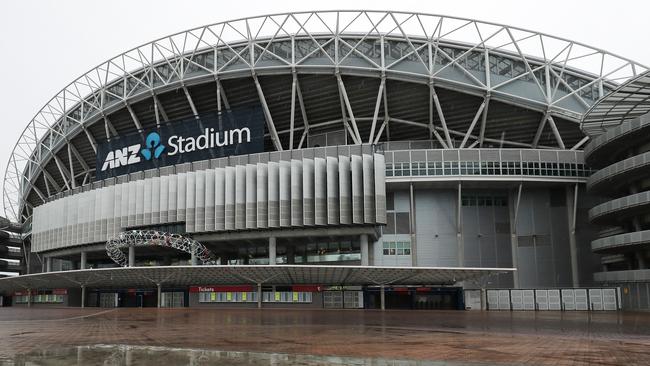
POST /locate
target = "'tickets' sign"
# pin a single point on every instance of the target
(211, 135)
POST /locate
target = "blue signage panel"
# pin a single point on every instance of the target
(211, 135)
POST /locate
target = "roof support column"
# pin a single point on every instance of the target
(29, 297)
(382, 297)
(131, 256)
(432, 128)
(363, 239)
(293, 108)
(72, 180)
(481, 136)
(540, 128)
(556, 132)
(272, 250)
(376, 114)
(303, 112)
(136, 121)
(436, 101)
(159, 287)
(83, 296)
(191, 102)
(259, 295)
(346, 108)
(84, 260)
(267, 114)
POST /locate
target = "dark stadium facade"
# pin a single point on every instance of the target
(362, 159)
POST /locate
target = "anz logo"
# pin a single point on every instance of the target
(131, 154)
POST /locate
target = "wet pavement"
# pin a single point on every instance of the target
(277, 337)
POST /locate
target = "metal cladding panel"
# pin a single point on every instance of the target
(240, 197)
(380, 189)
(220, 199)
(274, 194)
(368, 189)
(108, 211)
(251, 196)
(139, 203)
(285, 193)
(164, 198)
(345, 190)
(190, 201)
(181, 197)
(133, 189)
(332, 191)
(124, 207)
(262, 195)
(320, 191)
(357, 189)
(172, 193)
(147, 201)
(95, 217)
(155, 198)
(296, 192)
(199, 202)
(229, 201)
(308, 191)
(209, 200)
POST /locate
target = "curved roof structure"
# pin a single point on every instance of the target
(630, 100)
(465, 82)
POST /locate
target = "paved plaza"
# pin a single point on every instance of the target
(453, 337)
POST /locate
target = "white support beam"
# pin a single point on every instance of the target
(52, 181)
(191, 102)
(72, 180)
(556, 132)
(540, 128)
(471, 126)
(293, 110)
(580, 143)
(436, 101)
(349, 107)
(79, 158)
(63, 171)
(136, 121)
(344, 118)
(109, 129)
(91, 139)
(481, 136)
(269, 120)
(221, 96)
(376, 114)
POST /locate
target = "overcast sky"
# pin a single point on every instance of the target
(45, 45)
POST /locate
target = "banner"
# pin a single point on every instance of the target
(208, 136)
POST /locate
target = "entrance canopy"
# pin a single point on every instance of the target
(143, 277)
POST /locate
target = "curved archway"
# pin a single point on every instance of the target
(141, 238)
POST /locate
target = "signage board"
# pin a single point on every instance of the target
(207, 136)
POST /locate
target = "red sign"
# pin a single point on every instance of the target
(195, 289)
(59, 291)
(307, 288)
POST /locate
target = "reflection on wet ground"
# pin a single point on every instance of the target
(123, 355)
(494, 337)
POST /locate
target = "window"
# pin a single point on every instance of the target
(397, 248)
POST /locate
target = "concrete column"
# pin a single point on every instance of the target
(159, 295)
(83, 296)
(414, 244)
(382, 297)
(272, 251)
(84, 260)
(363, 238)
(572, 203)
(131, 256)
(48, 264)
(513, 208)
(29, 297)
(259, 295)
(194, 260)
(459, 226)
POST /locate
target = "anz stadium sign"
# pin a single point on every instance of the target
(207, 136)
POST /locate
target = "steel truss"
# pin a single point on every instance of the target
(145, 238)
(561, 78)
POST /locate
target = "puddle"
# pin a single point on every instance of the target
(113, 355)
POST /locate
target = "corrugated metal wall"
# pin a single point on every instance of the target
(339, 190)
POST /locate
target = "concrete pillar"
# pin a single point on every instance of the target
(83, 296)
(259, 295)
(572, 203)
(194, 259)
(131, 256)
(513, 208)
(363, 238)
(272, 252)
(48, 264)
(159, 295)
(84, 260)
(382, 297)
(483, 299)
(459, 226)
(29, 297)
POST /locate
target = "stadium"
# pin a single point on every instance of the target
(337, 159)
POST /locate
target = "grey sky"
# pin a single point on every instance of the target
(46, 44)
